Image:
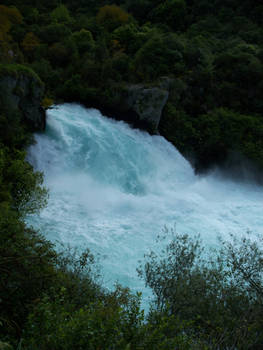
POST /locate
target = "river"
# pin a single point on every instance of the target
(113, 189)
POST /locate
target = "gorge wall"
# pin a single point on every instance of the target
(21, 91)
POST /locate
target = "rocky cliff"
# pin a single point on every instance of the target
(21, 90)
(138, 104)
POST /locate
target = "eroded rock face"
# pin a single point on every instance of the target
(147, 103)
(140, 105)
(22, 91)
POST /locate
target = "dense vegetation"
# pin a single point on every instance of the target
(212, 51)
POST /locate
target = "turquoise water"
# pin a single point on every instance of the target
(113, 189)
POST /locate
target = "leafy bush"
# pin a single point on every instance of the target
(220, 295)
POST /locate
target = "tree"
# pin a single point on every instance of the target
(112, 16)
(27, 263)
(30, 43)
(161, 54)
(139, 9)
(61, 15)
(170, 12)
(84, 41)
(28, 195)
(220, 294)
(59, 54)
(130, 37)
(8, 17)
(54, 32)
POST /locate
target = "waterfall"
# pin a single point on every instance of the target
(113, 188)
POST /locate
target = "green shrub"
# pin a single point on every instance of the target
(220, 294)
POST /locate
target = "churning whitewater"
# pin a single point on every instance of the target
(113, 188)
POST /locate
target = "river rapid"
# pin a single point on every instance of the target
(113, 189)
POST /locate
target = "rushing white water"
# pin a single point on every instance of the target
(113, 189)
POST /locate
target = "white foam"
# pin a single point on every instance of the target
(113, 189)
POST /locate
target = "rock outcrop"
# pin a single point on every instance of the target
(21, 90)
(147, 105)
(140, 105)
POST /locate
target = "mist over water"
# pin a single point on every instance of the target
(113, 188)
